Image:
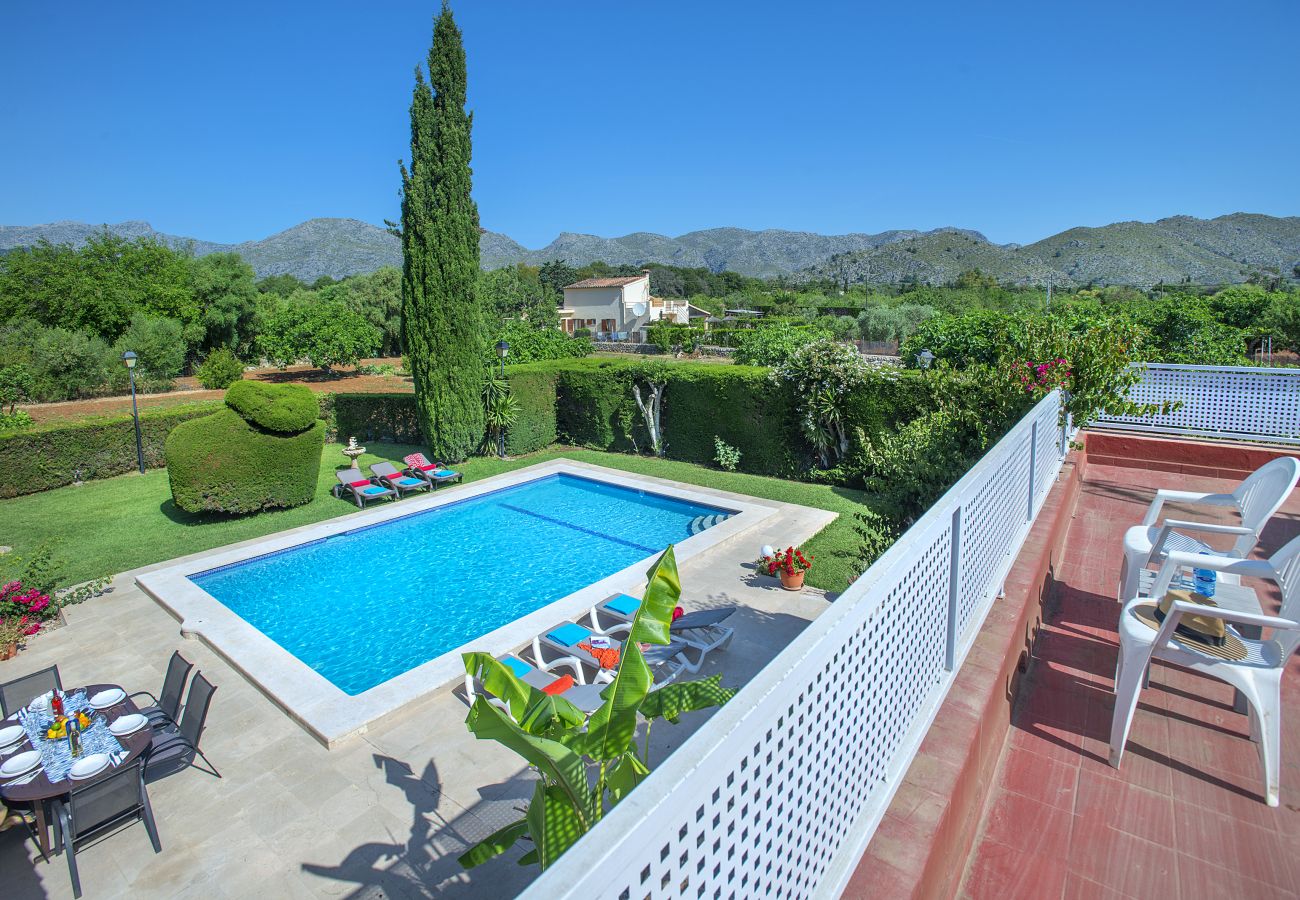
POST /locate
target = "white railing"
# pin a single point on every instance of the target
(1240, 402)
(779, 793)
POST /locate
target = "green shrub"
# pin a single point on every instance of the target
(67, 365)
(51, 456)
(223, 463)
(15, 420)
(160, 347)
(771, 345)
(528, 343)
(220, 369)
(284, 408)
(726, 456)
(377, 417)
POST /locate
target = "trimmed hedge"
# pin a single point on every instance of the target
(52, 456)
(377, 417)
(284, 408)
(534, 386)
(223, 463)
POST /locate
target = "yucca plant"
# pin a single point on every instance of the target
(586, 765)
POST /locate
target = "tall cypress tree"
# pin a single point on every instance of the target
(443, 327)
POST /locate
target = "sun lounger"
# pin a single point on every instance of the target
(667, 661)
(360, 488)
(389, 476)
(418, 466)
(582, 695)
(701, 630)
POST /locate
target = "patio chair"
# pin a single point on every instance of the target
(582, 695)
(163, 710)
(1253, 667)
(110, 802)
(419, 466)
(1256, 499)
(666, 661)
(404, 484)
(174, 750)
(16, 694)
(361, 489)
(701, 630)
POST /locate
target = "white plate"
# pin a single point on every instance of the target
(128, 724)
(110, 697)
(88, 766)
(11, 735)
(20, 764)
(41, 703)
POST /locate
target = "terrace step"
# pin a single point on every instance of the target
(700, 523)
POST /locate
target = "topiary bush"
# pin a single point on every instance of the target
(261, 452)
(286, 408)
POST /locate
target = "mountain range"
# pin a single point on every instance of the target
(1224, 249)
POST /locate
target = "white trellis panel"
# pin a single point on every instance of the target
(778, 794)
(1242, 402)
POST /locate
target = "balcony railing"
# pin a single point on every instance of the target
(778, 794)
(1240, 402)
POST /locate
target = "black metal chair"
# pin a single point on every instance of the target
(109, 802)
(16, 694)
(174, 750)
(164, 710)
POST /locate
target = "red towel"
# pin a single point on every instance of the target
(359, 484)
(559, 685)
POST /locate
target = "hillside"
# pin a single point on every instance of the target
(1207, 251)
(1224, 249)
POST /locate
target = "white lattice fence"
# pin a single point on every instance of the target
(779, 793)
(1241, 402)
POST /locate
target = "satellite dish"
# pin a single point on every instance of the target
(640, 308)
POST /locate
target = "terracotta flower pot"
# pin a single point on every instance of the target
(9, 651)
(792, 582)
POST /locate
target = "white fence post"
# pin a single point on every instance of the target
(954, 591)
(1033, 467)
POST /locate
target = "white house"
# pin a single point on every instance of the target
(619, 309)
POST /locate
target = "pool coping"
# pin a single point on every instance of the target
(324, 710)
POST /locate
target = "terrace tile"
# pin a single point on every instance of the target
(1184, 816)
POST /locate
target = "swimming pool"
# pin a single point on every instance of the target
(365, 605)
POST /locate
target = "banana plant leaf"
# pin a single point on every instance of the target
(494, 844)
(553, 823)
(612, 727)
(671, 700)
(625, 775)
(537, 712)
(663, 590)
(559, 766)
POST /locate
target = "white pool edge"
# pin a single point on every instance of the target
(331, 715)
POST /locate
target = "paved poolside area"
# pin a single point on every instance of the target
(384, 814)
(1184, 817)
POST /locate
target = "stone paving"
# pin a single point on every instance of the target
(385, 814)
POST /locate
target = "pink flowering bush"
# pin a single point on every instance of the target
(29, 606)
(1044, 377)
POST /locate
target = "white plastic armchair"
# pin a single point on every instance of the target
(1258, 676)
(1256, 499)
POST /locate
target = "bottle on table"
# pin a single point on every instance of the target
(74, 737)
(1205, 580)
(56, 706)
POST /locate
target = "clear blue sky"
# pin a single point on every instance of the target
(232, 121)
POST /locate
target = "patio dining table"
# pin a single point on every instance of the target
(41, 790)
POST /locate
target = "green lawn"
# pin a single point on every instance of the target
(120, 523)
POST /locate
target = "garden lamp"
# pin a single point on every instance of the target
(503, 347)
(129, 358)
(924, 358)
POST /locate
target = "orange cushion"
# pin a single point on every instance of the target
(559, 685)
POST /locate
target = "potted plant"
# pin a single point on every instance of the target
(790, 564)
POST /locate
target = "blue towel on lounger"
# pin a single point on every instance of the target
(445, 473)
(569, 634)
(375, 489)
(623, 605)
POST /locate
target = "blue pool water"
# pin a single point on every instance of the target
(366, 605)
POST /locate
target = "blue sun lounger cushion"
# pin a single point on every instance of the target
(569, 634)
(623, 605)
(517, 665)
(375, 489)
(408, 481)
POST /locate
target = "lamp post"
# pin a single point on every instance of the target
(129, 358)
(503, 347)
(924, 359)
